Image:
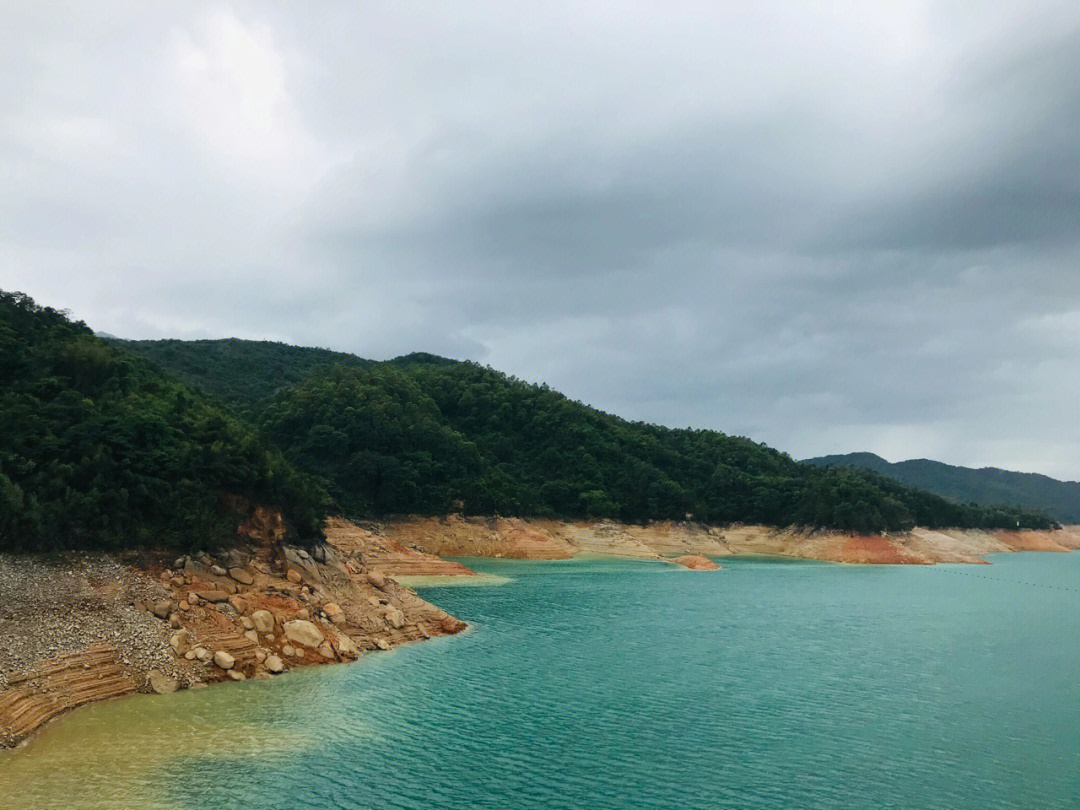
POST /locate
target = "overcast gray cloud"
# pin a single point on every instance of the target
(827, 226)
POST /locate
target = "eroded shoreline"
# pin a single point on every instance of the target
(90, 627)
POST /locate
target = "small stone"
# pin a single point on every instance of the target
(236, 675)
(202, 654)
(269, 636)
(162, 609)
(190, 655)
(251, 636)
(325, 650)
(178, 582)
(217, 570)
(216, 596)
(260, 655)
(288, 650)
(224, 660)
(274, 664)
(247, 623)
(184, 606)
(294, 576)
(304, 614)
(382, 644)
(238, 603)
(174, 621)
(165, 576)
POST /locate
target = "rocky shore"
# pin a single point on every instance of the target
(86, 627)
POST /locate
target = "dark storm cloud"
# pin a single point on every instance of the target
(830, 227)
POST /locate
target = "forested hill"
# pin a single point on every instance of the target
(988, 486)
(429, 435)
(99, 448)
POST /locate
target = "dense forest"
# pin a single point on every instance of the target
(987, 486)
(117, 444)
(100, 448)
(429, 435)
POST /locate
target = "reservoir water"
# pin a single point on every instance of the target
(613, 684)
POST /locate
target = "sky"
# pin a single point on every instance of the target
(830, 227)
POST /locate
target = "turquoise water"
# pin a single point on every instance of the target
(626, 684)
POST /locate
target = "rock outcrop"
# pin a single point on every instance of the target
(695, 562)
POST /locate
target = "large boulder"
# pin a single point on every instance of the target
(303, 632)
(394, 617)
(346, 646)
(264, 621)
(241, 575)
(334, 612)
(162, 683)
(376, 579)
(181, 641)
(224, 660)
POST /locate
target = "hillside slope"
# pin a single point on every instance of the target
(423, 434)
(988, 486)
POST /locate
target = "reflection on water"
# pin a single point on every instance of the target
(608, 685)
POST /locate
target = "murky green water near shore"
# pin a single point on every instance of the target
(619, 684)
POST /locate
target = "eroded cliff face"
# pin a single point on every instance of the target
(90, 627)
(386, 553)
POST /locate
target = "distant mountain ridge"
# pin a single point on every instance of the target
(986, 486)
